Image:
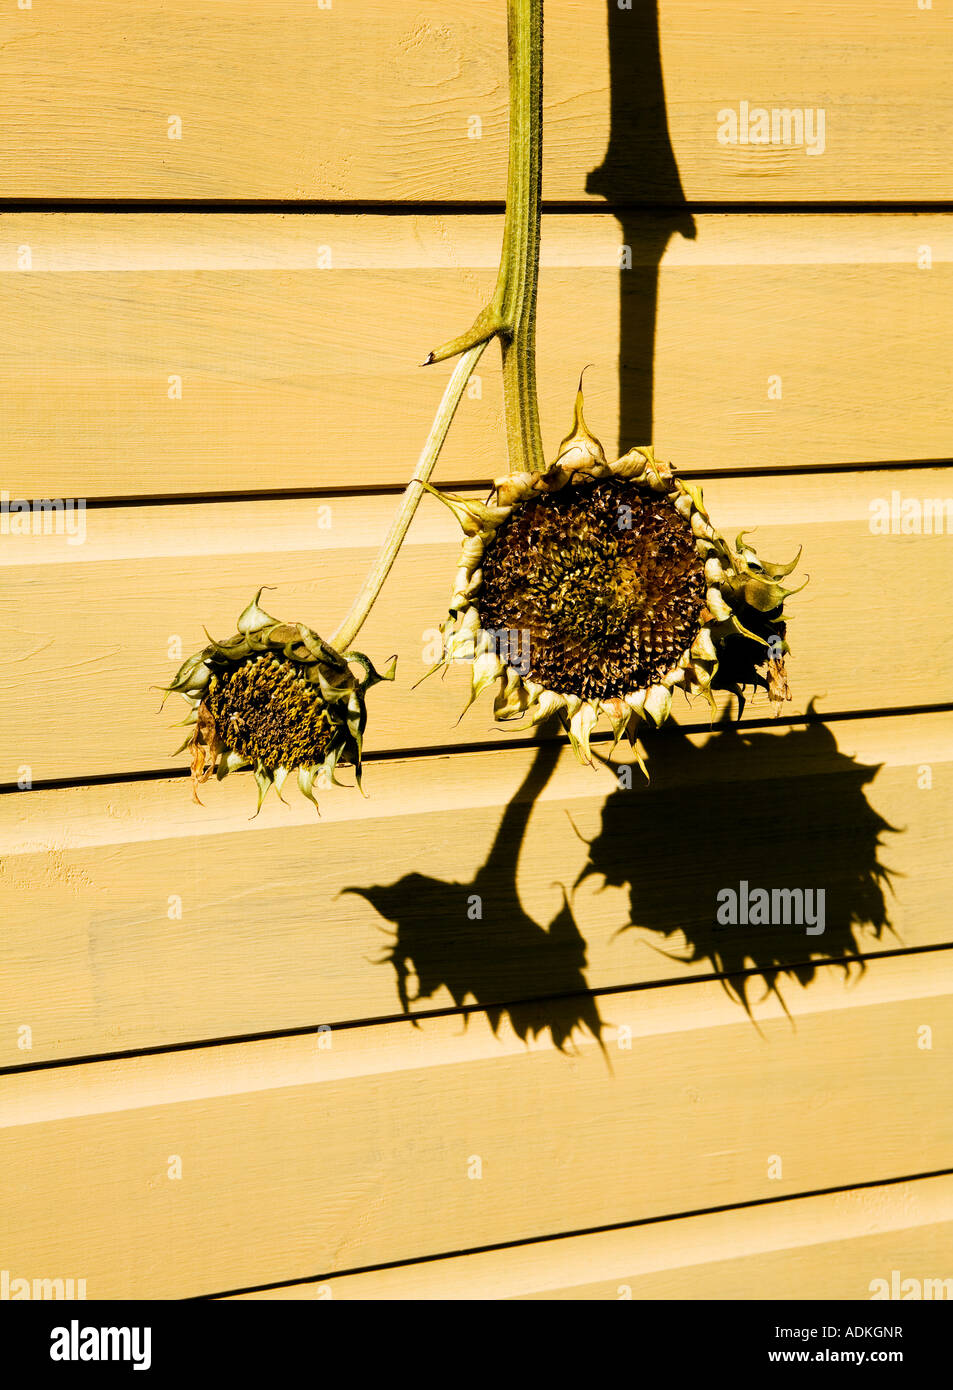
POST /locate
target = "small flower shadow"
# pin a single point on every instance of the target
(477, 941)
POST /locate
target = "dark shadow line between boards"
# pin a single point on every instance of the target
(443, 750)
(575, 1234)
(464, 1011)
(410, 207)
(481, 485)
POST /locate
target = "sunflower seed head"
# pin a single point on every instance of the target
(624, 588)
(276, 698)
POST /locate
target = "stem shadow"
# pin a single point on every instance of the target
(476, 941)
(639, 178)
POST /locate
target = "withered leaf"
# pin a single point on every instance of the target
(204, 746)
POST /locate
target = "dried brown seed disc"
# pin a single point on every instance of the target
(266, 710)
(605, 578)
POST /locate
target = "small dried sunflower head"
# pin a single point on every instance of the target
(275, 698)
(598, 588)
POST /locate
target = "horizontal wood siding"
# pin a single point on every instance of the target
(299, 1160)
(259, 946)
(851, 319)
(292, 100)
(479, 1033)
(95, 629)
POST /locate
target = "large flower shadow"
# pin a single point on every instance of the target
(746, 810)
(476, 941)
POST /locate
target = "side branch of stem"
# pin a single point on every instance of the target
(413, 492)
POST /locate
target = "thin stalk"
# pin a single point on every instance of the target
(413, 492)
(521, 234)
(511, 312)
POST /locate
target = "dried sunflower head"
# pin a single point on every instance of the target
(598, 588)
(275, 698)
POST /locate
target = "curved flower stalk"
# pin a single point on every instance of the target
(597, 589)
(275, 698)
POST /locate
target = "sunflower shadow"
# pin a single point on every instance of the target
(476, 941)
(750, 810)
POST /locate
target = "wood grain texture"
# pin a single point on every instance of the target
(288, 381)
(294, 100)
(830, 1247)
(135, 919)
(490, 1004)
(298, 1161)
(94, 629)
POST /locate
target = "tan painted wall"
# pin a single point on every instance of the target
(210, 1086)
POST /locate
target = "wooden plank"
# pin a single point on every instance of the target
(287, 381)
(134, 919)
(92, 629)
(298, 1161)
(830, 1247)
(299, 100)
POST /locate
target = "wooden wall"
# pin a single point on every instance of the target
(209, 1083)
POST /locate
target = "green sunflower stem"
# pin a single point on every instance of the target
(511, 312)
(521, 235)
(415, 489)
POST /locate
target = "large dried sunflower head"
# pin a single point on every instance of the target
(275, 698)
(598, 588)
